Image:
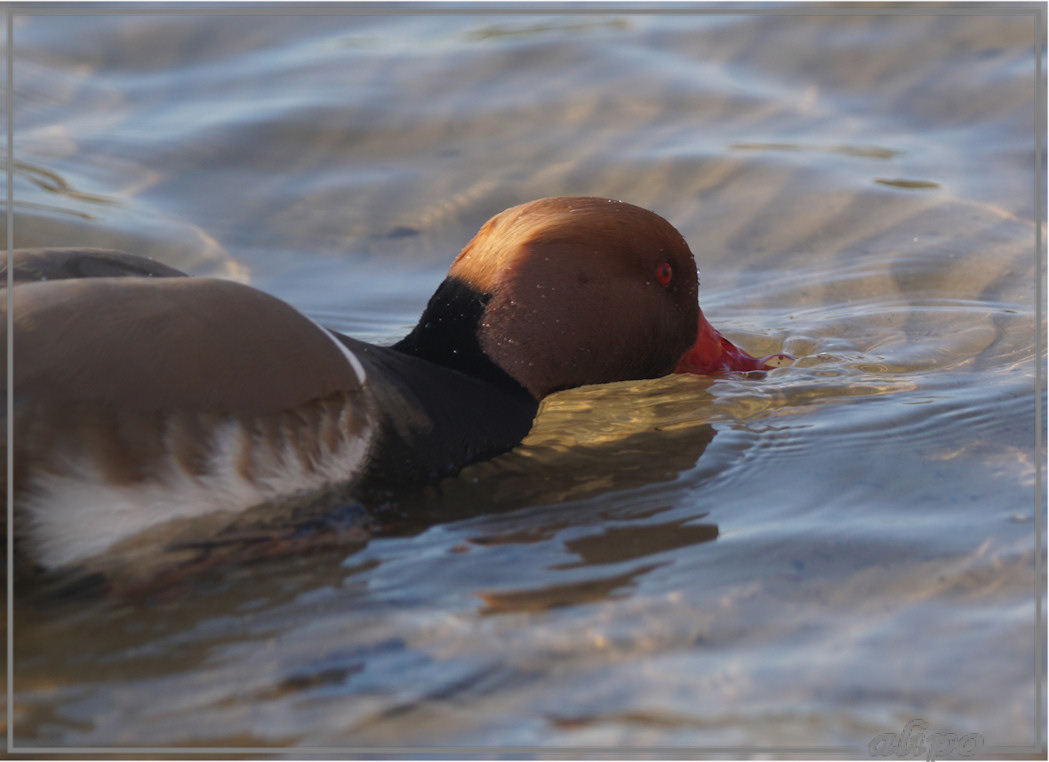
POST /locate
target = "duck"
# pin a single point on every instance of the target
(143, 395)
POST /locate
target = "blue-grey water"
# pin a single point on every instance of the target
(803, 561)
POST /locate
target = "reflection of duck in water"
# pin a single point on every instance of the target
(142, 396)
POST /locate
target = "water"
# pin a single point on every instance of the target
(802, 561)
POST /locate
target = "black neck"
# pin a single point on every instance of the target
(447, 335)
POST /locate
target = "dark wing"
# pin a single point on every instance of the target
(67, 263)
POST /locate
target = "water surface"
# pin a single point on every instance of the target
(800, 561)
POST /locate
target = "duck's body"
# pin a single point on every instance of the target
(144, 395)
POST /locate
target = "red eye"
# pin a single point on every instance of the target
(664, 273)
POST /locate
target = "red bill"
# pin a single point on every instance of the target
(713, 353)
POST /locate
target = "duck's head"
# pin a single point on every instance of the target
(567, 291)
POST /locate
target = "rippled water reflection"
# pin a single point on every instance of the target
(805, 559)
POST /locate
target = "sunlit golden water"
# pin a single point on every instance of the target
(805, 559)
